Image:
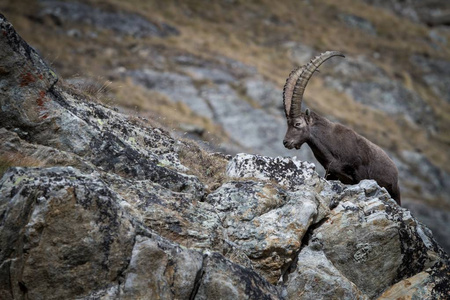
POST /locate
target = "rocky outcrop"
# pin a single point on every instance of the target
(221, 102)
(230, 101)
(118, 22)
(98, 205)
(435, 73)
(370, 85)
(430, 12)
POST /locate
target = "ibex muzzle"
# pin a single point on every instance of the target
(298, 132)
(345, 155)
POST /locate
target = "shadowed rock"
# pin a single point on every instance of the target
(111, 212)
(120, 22)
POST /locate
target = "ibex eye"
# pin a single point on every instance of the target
(297, 124)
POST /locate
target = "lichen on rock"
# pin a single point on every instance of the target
(112, 212)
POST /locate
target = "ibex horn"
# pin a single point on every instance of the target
(297, 81)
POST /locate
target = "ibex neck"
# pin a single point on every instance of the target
(320, 137)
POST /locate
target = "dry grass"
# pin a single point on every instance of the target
(8, 160)
(208, 167)
(164, 112)
(253, 32)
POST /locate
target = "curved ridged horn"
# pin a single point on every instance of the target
(301, 76)
(288, 88)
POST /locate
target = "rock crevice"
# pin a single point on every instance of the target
(114, 214)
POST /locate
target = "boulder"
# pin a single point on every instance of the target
(95, 205)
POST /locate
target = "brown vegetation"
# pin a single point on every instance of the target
(208, 167)
(255, 33)
(15, 159)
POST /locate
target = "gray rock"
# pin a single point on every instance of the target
(378, 235)
(358, 23)
(178, 88)
(315, 277)
(264, 93)
(237, 68)
(221, 279)
(436, 218)
(13, 147)
(179, 216)
(355, 68)
(212, 74)
(420, 286)
(119, 22)
(289, 172)
(50, 116)
(64, 228)
(438, 37)
(369, 85)
(430, 12)
(26, 79)
(159, 270)
(265, 222)
(249, 127)
(419, 171)
(300, 54)
(131, 223)
(435, 73)
(220, 64)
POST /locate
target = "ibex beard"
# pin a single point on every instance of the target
(345, 155)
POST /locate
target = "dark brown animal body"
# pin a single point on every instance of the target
(345, 155)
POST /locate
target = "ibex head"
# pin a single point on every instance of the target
(299, 123)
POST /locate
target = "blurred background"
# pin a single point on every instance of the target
(213, 71)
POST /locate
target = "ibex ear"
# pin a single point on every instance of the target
(307, 111)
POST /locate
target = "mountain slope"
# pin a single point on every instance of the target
(118, 209)
(213, 71)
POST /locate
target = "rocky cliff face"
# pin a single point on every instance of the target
(213, 72)
(105, 206)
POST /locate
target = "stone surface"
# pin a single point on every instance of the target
(264, 222)
(264, 93)
(436, 219)
(369, 85)
(211, 91)
(419, 286)
(358, 23)
(159, 270)
(286, 171)
(63, 234)
(24, 77)
(432, 180)
(373, 232)
(119, 22)
(430, 12)
(111, 211)
(179, 88)
(436, 73)
(315, 275)
(221, 279)
(300, 54)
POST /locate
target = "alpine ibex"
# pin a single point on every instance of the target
(344, 154)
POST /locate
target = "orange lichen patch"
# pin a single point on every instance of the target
(41, 100)
(26, 79)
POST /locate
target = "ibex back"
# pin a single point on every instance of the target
(345, 155)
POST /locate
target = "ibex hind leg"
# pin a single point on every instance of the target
(394, 191)
(331, 176)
